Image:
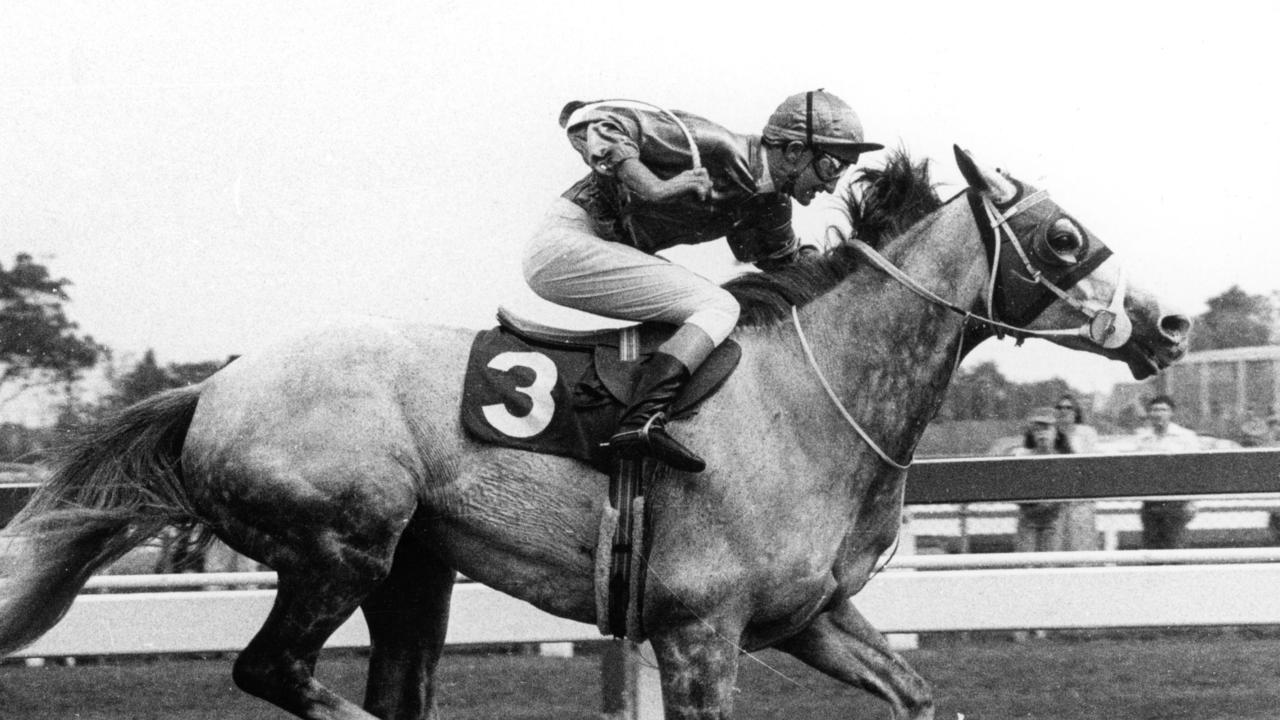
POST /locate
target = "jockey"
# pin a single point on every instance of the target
(595, 249)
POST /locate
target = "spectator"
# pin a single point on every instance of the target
(1164, 522)
(1254, 432)
(1038, 523)
(1077, 524)
(1069, 420)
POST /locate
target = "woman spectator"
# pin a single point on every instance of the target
(1038, 522)
(1078, 528)
(1077, 437)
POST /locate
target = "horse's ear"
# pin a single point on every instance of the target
(982, 179)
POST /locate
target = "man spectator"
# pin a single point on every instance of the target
(1164, 522)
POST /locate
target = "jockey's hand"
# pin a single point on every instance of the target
(694, 182)
(640, 180)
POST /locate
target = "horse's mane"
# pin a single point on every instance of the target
(894, 198)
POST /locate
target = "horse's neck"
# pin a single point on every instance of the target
(887, 352)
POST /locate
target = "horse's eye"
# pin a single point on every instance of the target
(1062, 243)
(1065, 239)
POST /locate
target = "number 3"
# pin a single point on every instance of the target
(539, 391)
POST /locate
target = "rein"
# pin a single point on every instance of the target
(813, 363)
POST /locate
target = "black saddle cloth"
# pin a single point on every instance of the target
(563, 393)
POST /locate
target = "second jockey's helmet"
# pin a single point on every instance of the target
(821, 121)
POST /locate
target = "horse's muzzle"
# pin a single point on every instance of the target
(1177, 330)
(1167, 347)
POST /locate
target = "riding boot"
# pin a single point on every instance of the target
(642, 430)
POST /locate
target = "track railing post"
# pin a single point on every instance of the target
(629, 680)
(906, 547)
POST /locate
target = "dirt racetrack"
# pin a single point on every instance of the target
(1138, 676)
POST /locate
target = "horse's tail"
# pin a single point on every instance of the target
(115, 485)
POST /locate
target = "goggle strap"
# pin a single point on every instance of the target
(808, 120)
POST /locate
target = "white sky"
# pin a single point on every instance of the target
(210, 175)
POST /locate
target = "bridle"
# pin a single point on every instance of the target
(1108, 326)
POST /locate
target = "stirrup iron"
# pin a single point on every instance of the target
(652, 440)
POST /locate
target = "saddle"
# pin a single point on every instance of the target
(544, 389)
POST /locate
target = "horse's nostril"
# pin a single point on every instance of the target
(1175, 327)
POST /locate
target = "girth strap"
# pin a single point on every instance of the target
(627, 550)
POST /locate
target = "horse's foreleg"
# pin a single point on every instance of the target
(407, 617)
(842, 644)
(699, 665)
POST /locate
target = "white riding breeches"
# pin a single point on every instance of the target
(567, 263)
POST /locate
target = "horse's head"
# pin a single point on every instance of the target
(1052, 278)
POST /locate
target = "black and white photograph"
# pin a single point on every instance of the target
(629, 361)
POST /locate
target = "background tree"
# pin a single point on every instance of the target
(38, 343)
(1234, 319)
(978, 394)
(147, 378)
(984, 393)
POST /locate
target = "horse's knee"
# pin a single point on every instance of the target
(246, 675)
(917, 703)
(264, 676)
(287, 681)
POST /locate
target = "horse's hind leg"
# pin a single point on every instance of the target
(842, 644)
(325, 573)
(279, 663)
(407, 615)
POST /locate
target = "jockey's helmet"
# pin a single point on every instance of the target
(822, 122)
